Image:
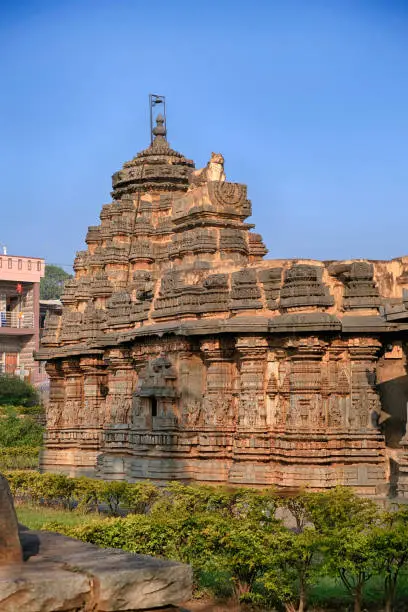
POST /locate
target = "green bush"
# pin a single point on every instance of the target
(21, 437)
(19, 457)
(18, 431)
(17, 392)
(23, 484)
(33, 411)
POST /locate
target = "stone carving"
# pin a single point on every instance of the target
(120, 407)
(119, 308)
(180, 354)
(93, 320)
(141, 251)
(303, 287)
(245, 293)
(216, 293)
(52, 323)
(68, 298)
(227, 194)
(218, 411)
(233, 240)
(193, 242)
(157, 379)
(81, 261)
(271, 282)
(360, 290)
(192, 415)
(158, 167)
(143, 284)
(249, 413)
(101, 286)
(257, 249)
(214, 171)
(70, 326)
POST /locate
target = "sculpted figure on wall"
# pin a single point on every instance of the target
(192, 415)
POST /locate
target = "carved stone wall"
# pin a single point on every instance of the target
(182, 353)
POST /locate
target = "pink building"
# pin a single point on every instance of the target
(19, 314)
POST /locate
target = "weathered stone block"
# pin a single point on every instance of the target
(10, 548)
(62, 574)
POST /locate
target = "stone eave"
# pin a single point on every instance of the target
(213, 219)
(305, 322)
(287, 323)
(44, 354)
(354, 323)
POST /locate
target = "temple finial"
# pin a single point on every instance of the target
(160, 129)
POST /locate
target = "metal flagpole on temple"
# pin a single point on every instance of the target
(153, 101)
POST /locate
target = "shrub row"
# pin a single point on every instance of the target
(85, 494)
(233, 538)
(33, 411)
(19, 457)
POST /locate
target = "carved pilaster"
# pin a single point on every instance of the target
(72, 415)
(95, 391)
(191, 381)
(365, 401)
(301, 390)
(336, 386)
(120, 385)
(55, 407)
(219, 403)
(252, 352)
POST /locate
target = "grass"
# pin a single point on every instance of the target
(35, 517)
(332, 594)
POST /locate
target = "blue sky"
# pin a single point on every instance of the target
(308, 102)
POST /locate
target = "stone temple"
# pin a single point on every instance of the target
(183, 354)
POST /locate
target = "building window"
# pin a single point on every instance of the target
(29, 264)
(1, 262)
(39, 266)
(10, 262)
(20, 264)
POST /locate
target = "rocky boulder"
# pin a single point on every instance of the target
(10, 547)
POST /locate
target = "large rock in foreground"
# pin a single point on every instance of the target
(68, 575)
(10, 547)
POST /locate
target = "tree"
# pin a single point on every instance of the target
(17, 392)
(294, 565)
(352, 557)
(298, 506)
(18, 431)
(346, 523)
(52, 284)
(390, 544)
(340, 508)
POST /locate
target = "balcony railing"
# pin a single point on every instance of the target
(17, 320)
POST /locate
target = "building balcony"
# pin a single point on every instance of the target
(17, 323)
